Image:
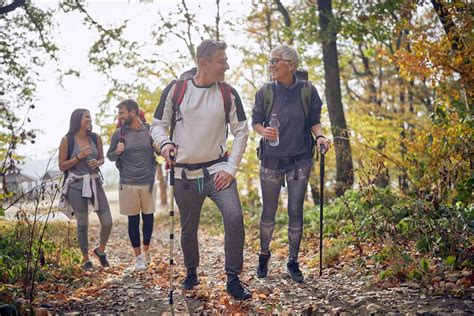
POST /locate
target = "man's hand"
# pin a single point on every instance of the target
(222, 180)
(323, 142)
(270, 133)
(167, 150)
(120, 148)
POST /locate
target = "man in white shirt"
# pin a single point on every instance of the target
(198, 110)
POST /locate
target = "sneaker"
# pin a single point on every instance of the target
(262, 269)
(238, 290)
(87, 266)
(102, 257)
(140, 263)
(190, 281)
(147, 257)
(294, 271)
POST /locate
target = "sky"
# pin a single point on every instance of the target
(55, 103)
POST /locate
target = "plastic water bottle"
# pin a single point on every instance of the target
(275, 124)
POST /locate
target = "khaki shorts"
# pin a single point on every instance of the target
(136, 198)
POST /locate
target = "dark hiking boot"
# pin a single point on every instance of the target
(87, 266)
(190, 281)
(238, 290)
(102, 258)
(262, 269)
(294, 271)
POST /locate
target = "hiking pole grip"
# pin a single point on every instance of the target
(321, 202)
(171, 165)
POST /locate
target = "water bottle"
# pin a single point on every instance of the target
(275, 124)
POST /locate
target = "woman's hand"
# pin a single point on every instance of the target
(323, 144)
(85, 152)
(270, 133)
(94, 163)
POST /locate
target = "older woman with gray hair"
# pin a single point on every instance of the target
(286, 114)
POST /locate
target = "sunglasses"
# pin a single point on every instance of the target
(275, 61)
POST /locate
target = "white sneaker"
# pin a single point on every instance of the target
(140, 263)
(147, 257)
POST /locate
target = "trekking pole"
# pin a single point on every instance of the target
(321, 201)
(171, 174)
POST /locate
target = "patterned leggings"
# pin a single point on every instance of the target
(271, 182)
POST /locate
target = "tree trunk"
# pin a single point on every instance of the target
(344, 175)
(162, 184)
(315, 193)
(457, 45)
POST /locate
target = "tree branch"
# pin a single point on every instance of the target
(12, 6)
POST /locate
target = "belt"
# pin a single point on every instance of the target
(199, 165)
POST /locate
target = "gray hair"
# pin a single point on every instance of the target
(287, 53)
(207, 49)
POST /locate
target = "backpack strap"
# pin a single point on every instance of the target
(179, 90)
(70, 145)
(268, 99)
(178, 95)
(306, 97)
(122, 134)
(94, 138)
(227, 97)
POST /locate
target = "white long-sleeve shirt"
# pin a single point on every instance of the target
(201, 133)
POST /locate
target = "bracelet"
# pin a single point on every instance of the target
(320, 136)
(77, 157)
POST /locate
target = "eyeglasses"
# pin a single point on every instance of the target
(275, 61)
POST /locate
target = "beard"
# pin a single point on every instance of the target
(127, 121)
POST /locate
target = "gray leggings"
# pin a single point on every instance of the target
(271, 182)
(79, 205)
(190, 195)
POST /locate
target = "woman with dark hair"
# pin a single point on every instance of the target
(80, 155)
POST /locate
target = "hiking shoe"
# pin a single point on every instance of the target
(102, 258)
(262, 269)
(294, 271)
(147, 257)
(190, 281)
(238, 290)
(87, 266)
(140, 263)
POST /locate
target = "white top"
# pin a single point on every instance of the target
(201, 133)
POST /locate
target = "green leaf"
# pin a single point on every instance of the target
(423, 244)
(425, 265)
(450, 261)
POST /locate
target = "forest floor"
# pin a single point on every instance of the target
(340, 290)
